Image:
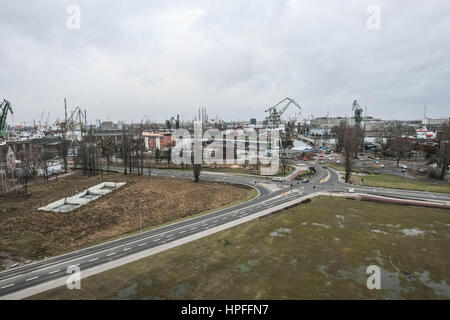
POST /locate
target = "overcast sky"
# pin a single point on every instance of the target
(136, 59)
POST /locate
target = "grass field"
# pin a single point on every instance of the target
(396, 182)
(319, 250)
(26, 233)
(391, 181)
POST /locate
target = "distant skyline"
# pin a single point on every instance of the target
(131, 61)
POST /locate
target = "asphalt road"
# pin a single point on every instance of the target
(39, 272)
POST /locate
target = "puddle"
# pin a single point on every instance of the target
(378, 258)
(180, 291)
(280, 232)
(439, 288)
(247, 267)
(128, 293)
(321, 225)
(412, 232)
(379, 231)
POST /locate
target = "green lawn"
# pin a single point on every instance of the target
(392, 181)
(319, 250)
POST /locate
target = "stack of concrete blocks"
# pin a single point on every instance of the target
(71, 203)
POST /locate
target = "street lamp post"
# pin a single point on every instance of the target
(140, 216)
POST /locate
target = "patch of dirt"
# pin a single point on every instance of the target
(30, 234)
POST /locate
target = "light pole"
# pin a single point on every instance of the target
(140, 216)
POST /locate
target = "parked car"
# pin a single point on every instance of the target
(305, 180)
(338, 161)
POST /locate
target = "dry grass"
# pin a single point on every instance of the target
(30, 234)
(320, 250)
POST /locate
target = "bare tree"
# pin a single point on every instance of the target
(350, 146)
(108, 148)
(399, 145)
(196, 169)
(339, 132)
(88, 154)
(63, 151)
(27, 172)
(444, 149)
(284, 162)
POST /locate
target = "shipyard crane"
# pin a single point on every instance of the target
(77, 117)
(5, 106)
(274, 117)
(172, 121)
(358, 112)
(46, 122)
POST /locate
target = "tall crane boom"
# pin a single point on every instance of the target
(358, 112)
(274, 117)
(5, 106)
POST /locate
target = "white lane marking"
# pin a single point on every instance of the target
(182, 232)
(110, 254)
(193, 228)
(32, 278)
(7, 286)
(54, 271)
(126, 249)
(142, 244)
(92, 260)
(208, 219)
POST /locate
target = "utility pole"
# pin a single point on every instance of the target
(140, 216)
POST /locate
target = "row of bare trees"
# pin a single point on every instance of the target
(348, 141)
(396, 141)
(130, 147)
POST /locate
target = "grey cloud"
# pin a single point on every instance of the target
(233, 57)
